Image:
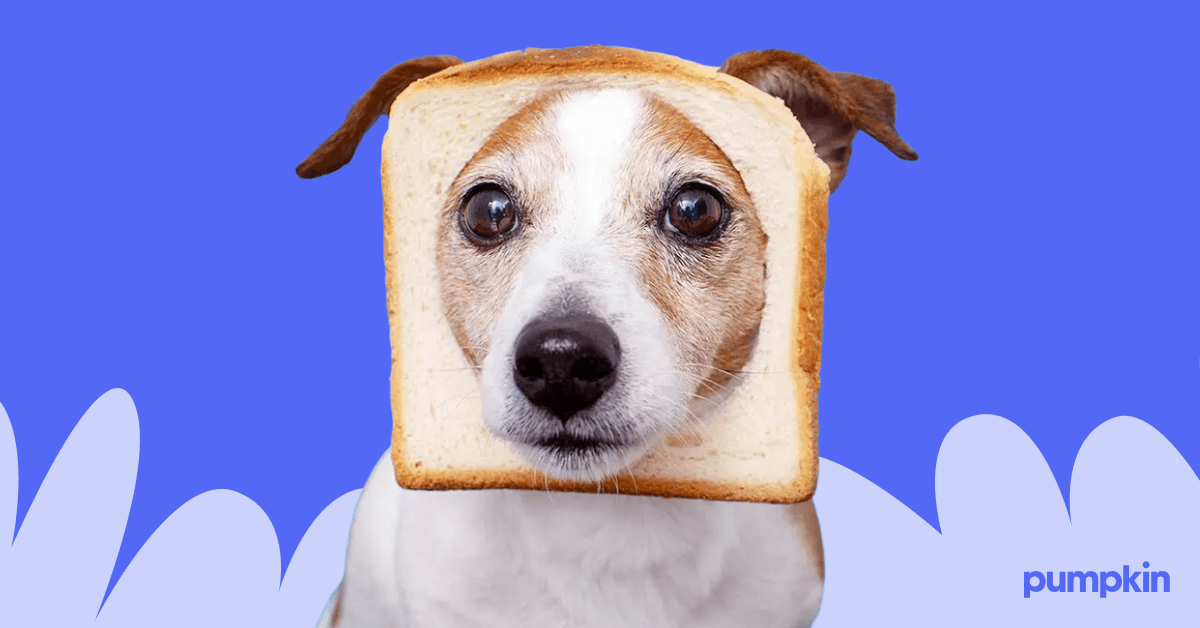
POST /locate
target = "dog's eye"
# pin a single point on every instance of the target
(489, 214)
(694, 212)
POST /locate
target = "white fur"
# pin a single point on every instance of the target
(528, 559)
(576, 255)
(524, 559)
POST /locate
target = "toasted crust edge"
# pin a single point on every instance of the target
(540, 62)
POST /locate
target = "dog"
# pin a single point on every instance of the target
(572, 320)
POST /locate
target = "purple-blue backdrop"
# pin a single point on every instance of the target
(1039, 262)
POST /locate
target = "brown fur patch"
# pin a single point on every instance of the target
(712, 295)
(474, 282)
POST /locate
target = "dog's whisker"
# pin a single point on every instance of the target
(705, 398)
(632, 478)
(458, 399)
(439, 405)
(457, 369)
(734, 372)
(694, 420)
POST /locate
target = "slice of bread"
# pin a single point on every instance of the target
(761, 443)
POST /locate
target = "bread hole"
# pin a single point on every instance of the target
(686, 438)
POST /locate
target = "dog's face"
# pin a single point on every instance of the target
(602, 264)
(601, 261)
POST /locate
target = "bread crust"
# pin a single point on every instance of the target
(567, 65)
(566, 62)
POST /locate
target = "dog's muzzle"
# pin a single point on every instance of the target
(565, 364)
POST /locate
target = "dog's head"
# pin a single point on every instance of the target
(601, 261)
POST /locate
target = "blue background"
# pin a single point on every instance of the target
(1039, 262)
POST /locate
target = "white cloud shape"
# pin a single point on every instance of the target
(215, 561)
(1133, 499)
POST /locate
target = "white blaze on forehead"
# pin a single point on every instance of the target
(575, 264)
(595, 129)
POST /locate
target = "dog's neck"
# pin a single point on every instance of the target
(615, 532)
(594, 553)
(582, 559)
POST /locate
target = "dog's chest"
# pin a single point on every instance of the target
(510, 558)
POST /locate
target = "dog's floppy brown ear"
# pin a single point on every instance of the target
(831, 106)
(337, 151)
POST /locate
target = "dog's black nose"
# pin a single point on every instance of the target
(565, 364)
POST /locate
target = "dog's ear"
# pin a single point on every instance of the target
(337, 151)
(831, 106)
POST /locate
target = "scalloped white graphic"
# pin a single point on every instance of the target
(215, 561)
(1133, 500)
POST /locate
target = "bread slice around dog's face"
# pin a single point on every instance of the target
(657, 224)
(751, 434)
